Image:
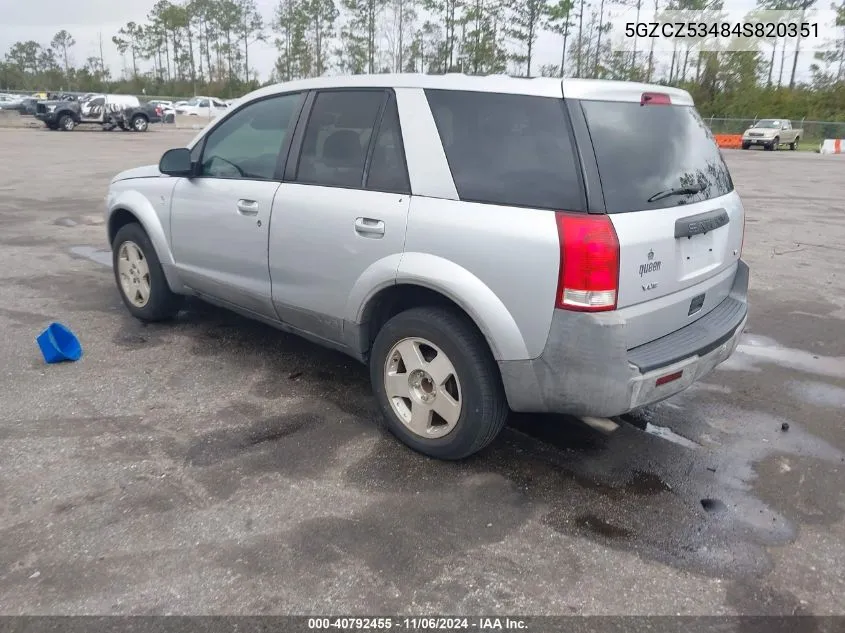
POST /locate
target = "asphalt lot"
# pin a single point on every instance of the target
(215, 465)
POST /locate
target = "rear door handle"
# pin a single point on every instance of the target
(247, 207)
(369, 227)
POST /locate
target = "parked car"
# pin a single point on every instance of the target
(25, 106)
(483, 243)
(109, 111)
(202, 106)
(165, 110)
(771, 134)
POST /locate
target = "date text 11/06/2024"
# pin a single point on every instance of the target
(432, 623)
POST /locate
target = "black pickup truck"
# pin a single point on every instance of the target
(109, 111)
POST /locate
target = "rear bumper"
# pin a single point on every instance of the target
(586, 370)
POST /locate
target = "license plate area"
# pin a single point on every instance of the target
(697, 248)
(698, 252)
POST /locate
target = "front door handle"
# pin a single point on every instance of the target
(369, 227)
(247, 207)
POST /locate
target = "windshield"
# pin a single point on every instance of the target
(768, 123)
(644, 152)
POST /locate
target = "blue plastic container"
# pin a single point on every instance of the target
(59, 344)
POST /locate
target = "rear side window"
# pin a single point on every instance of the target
(513, 150)
(644, 153)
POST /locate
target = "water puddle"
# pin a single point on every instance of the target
(94, 254)
(819, 393)
(755, 349)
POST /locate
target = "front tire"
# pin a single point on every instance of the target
(437, 383)
(746, 145)
(66, 123)
(140, 278)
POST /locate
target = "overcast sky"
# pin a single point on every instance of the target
(86, 19)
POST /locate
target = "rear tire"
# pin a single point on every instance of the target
(442, 338)
(140, 278)
(794, 144)
(140, 123)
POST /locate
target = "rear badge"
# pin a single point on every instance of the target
(651, 266)
(696, 304)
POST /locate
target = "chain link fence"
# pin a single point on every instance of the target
(814, 131)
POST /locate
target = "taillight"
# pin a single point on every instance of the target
(588, 278)
(655, 98)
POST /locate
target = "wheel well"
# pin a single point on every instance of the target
(140, 115)
(395, 299)
(120, 218)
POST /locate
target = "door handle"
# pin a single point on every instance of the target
(247, 207)
(369, 227)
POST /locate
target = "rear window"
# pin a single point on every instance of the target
(645, 151)
(511, 150)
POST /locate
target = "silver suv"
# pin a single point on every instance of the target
(483, 243)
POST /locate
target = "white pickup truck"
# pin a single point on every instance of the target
(771, 134)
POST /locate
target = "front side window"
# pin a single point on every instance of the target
(247, 144)
(334, 148)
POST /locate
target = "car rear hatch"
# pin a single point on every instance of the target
(669, 195)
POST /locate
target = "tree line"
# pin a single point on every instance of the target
(203, 47)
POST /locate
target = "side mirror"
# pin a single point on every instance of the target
(176, 162)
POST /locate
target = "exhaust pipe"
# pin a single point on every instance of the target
(604, 425)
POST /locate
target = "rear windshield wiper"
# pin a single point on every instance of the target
(680, 191)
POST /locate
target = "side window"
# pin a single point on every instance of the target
(203, 103)
(388, 171)
(97, 102)
(247, 144)
(334, 148)
(513, 150)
